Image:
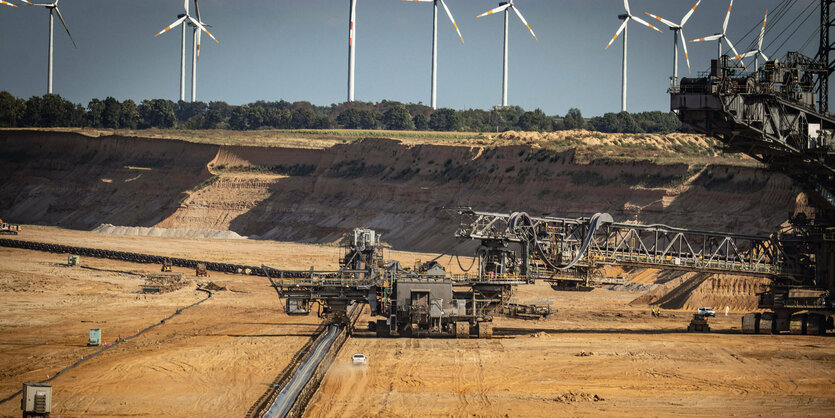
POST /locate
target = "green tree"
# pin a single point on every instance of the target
(278, 118)
(574, 119)
(11, 110)
(322, 122)
(397, 118)
(129, 117)
(157, 113)
(421, 122)
(95, 111)
(111, 115)
(247, 117)
(349, 119)
(535, 121)
(186, 111)
(32, 112)
(628, 124)
(444, 120)
(302, 118)
(76, 113)
(369, 119)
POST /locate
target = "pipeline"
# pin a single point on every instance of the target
(158, 259)
(91, 356)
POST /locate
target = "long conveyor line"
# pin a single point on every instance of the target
(158, 259)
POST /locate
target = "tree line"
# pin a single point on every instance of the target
(52, 110)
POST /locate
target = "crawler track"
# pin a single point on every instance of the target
(157, 259)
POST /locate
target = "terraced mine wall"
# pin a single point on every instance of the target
(316, 195)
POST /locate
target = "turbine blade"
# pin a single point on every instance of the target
(762, 32)
(36, 4)
(525, 22)
(452, 19)
(749, 54)
(626, 7)
(199, 37)
(708, 38)
(727, 18)
(641, 21)
(496, 10)
(686, 55)
(176, 22)
(763, 55)
(197, 11)
(690, 13)
(622, 26)
(65, 27)
(7, 3)
(185, 6)
(736, 55)
(203, 28)
(662, 20)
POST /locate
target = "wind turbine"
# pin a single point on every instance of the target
(352, 44)
(195, 53)
(52, 7)
(723, 36)
(626, 17)
(435, 44)
(184, 19)
(678, 33)
(759, 49)
(506, 7)
(181, 20)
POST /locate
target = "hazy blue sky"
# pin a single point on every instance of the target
(297, 50)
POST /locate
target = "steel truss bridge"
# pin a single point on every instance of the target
(554, 247)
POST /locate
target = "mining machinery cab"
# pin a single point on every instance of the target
(297, 306)
(422, 305)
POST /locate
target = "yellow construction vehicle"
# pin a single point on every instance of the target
(8, 229)
(166, 266)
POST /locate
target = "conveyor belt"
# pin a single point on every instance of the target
(158, 259)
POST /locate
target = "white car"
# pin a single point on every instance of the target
(358, 359)
(706, 311)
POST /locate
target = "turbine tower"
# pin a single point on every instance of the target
(195, 53)
(352, 43)
(723, 36)
(506, 7)
(626, 18)
(677, 33)
(435, 44)
(52, 7)
(757, 53)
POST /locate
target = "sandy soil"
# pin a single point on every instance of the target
(637, 366)
(213, 360)
(218, 358)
